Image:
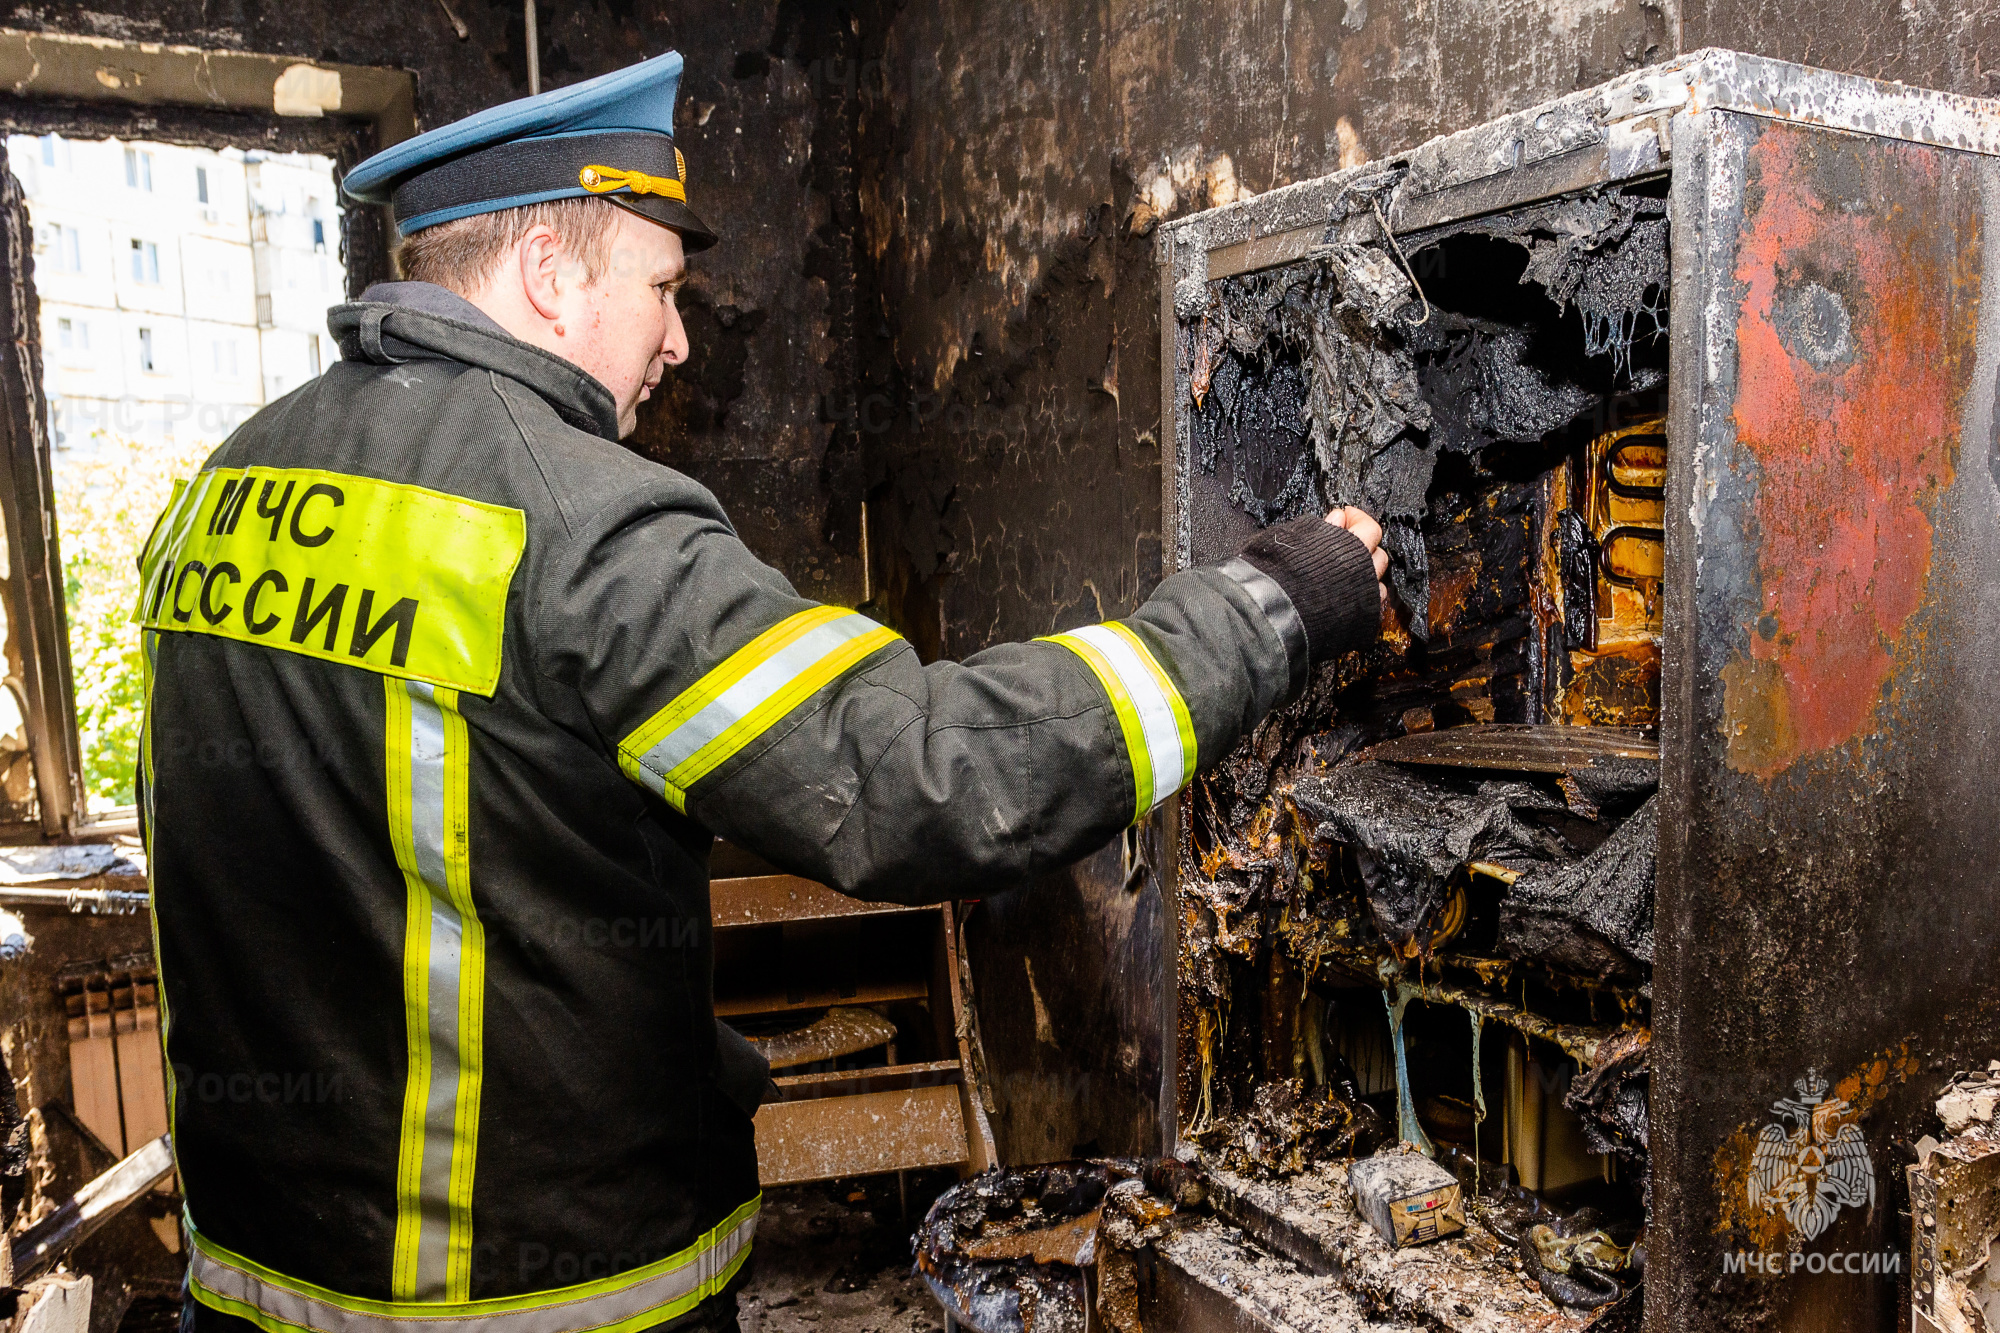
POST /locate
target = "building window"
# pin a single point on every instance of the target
(48, 150)
(312, 353)
(138, 169)
(319, 235)
(65, 334)
(145, 262)
(60, 247)
(146, 350)
(225, 356)
(201, 185)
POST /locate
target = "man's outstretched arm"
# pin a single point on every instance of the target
(815, 738)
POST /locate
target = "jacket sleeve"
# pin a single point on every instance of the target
(814, 737)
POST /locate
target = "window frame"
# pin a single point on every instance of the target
(200, 98)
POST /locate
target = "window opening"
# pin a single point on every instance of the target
(219, 310)
(146, 262)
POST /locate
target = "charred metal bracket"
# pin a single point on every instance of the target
(1579, 556)
(1954, 1219)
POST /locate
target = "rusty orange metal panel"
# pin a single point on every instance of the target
(1851, 372)
(1831, 693)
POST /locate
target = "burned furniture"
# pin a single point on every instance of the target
(1638, 871)
(861, 1010)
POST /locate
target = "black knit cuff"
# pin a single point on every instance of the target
(1329, 574)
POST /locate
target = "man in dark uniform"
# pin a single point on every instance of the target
(438, 674)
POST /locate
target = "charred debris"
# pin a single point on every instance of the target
(1417, 905)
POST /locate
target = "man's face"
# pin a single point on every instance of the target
(624, 328)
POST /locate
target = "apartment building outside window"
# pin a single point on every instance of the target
(214, 313)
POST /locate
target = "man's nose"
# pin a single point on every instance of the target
(674, 347)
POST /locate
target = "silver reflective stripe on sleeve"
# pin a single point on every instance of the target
(751, 690)
(227, 1282)
(1149, 712)
(1278, 609)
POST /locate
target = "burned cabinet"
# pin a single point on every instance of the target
(1641, 864)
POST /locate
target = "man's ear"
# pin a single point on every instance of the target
(540, 253)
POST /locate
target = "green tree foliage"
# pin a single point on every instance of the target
(106, 503)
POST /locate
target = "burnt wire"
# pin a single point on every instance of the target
(1401, 258)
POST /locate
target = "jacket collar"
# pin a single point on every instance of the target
(404, 321)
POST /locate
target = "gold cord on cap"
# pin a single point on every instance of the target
(603, 180)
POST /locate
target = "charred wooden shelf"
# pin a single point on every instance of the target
(783, 1002)
(887, 1078)
(1520, 747)
(787, 945)
(770, 899)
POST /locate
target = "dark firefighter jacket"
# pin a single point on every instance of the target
(447, 694)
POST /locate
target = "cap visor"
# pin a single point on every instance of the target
(669, 213)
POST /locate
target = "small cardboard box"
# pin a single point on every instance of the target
(1407, 1197)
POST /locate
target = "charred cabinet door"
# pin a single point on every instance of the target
(1830, 935)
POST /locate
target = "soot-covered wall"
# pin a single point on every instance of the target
(769, 152)
(936, 295)
(1013, 168)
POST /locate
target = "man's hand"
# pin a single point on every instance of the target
(1362, 525)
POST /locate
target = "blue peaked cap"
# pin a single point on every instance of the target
(611, 136)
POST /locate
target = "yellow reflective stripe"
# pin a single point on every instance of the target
(754, 687)
(158, 541)
(471, 996)
(1122, 708)
(398, 579)
(223, 1280)
(416, 997)
(1153, 719)
(1177, 706)
(427, 766)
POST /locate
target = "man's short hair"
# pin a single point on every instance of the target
(460, 255)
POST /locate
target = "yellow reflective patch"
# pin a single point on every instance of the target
(398, 579)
